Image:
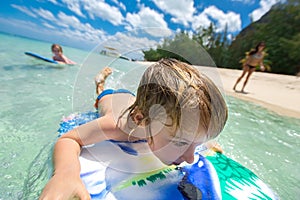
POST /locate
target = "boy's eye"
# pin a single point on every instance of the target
(180, 143)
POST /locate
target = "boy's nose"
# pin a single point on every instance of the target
(188, 156)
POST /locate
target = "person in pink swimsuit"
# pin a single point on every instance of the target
(59, 56)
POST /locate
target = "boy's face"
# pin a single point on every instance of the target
(176, 146)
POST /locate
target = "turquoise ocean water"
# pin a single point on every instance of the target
(36, 95)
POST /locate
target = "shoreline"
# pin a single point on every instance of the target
(276, 92)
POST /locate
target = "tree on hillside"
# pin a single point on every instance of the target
(205, 47)
(292, 46)
(215, 43)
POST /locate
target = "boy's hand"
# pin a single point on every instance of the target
(213, 145)
(217, 148)
(61, 188)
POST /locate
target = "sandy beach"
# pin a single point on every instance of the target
(278, 93)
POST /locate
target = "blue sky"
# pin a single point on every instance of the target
(86, 23)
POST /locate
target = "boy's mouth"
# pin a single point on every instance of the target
(175, 163)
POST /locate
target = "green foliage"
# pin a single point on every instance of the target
(181, 47)
(204, 48)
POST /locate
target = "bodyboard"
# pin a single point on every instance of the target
(40, 57)
(211, 176)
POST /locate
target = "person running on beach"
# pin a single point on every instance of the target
(58, 55)
(254, 58)
(176, 109)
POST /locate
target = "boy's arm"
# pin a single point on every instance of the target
(66, 182)
(104, 128)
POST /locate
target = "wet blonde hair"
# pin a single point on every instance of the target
(175, 85)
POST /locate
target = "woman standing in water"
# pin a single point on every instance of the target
(254, 58)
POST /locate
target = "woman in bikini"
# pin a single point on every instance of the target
(254, 58)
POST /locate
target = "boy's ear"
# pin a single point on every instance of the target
(138, 117)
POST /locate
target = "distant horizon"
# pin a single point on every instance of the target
(37, 39)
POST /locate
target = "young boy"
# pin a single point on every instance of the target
(176, 109)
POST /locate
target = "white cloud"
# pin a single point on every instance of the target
(231, 19)
(92, 36)
(265, 6)
(103, 10)
(245, 1)
(45, 14)
(53, 1)
(181, 10)
(68, 21)
(48, 25)
(120, 4)
(71, 26)
(20, 24)
(78, 29)
(150, 20)
(132, 43)
(200, 20)
(97, 8)
(230, 37)
(24, 10)
(74, 6)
